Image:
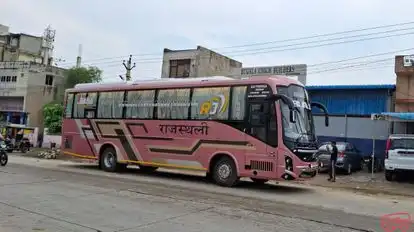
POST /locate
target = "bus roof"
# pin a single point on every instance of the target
(180, 82)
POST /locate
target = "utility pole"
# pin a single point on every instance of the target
(128, 69)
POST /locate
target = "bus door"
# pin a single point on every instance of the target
(261, 124)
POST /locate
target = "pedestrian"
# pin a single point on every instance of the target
(334, 157)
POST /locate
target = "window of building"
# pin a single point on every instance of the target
(173, 103)
(210, 103)
(140, 104)
(110, 104)
(69, 106)
(180, 68)
(49, 80)
(14, 79)
(238, 106)
(84, 101)
(3, 79)
(8, 78)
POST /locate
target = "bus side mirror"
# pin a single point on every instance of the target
(288, 101)
(325, 111)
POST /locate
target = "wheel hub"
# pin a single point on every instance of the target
(224, 171)
(109, 160)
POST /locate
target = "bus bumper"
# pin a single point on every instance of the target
(304, 172)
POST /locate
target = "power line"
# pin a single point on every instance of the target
(271, 42)
(331, 39)
(323, 35)
(359, 69)
(360, 57)
(342, 60)
(348, 63)
(303, 47)
(351, 66)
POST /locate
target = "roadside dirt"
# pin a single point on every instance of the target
(34, 153)
(363, 182)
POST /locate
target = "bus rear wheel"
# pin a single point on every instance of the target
(225, 172)
(108, 161)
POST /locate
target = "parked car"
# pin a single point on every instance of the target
(399, 155)
(349, 157)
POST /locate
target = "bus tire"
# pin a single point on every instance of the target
(108, 160)
(225, 172)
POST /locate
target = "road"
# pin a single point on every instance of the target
(44, 195)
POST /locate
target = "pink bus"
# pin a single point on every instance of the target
(258, 127)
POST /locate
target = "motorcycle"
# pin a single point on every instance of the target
(4, 158)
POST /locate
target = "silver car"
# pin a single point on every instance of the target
(349, 158)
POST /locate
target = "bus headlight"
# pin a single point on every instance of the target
(288, 163)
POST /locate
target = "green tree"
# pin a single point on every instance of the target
(81, 75)
(52, 113)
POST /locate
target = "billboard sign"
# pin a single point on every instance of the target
(408, 61)
(298, 70)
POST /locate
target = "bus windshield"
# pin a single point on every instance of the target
(303, 129)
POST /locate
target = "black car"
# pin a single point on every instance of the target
(349, 157)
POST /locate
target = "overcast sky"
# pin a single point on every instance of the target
(115, 29)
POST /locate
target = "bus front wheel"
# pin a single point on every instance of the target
(108, 160)
(225, 172)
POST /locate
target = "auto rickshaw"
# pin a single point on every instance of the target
(15, 137)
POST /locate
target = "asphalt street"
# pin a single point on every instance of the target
(44, 195)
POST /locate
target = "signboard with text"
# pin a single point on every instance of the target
(408, 61)
(298, 70)
(15, 65)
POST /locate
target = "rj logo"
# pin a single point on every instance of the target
(396, 222)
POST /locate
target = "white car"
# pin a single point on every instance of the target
(399, 155)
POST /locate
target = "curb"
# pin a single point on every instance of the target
(73, 160)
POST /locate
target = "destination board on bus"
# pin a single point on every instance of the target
(258, 91)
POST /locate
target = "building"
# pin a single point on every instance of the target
(198, 62)
(403, 117)
(27, 81)
(350, 108)
(25, 87)
(24, 47)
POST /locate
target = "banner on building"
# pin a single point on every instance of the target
(295, 70)
(15, 65)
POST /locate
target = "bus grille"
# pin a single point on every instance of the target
(261, 165)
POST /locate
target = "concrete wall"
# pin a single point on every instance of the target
(404, 97)
(39, 94)
(4, 29)
(204, 62)
(178, 55)
(48, 139)
(357, 130)
(30, 44)
(215, 64)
